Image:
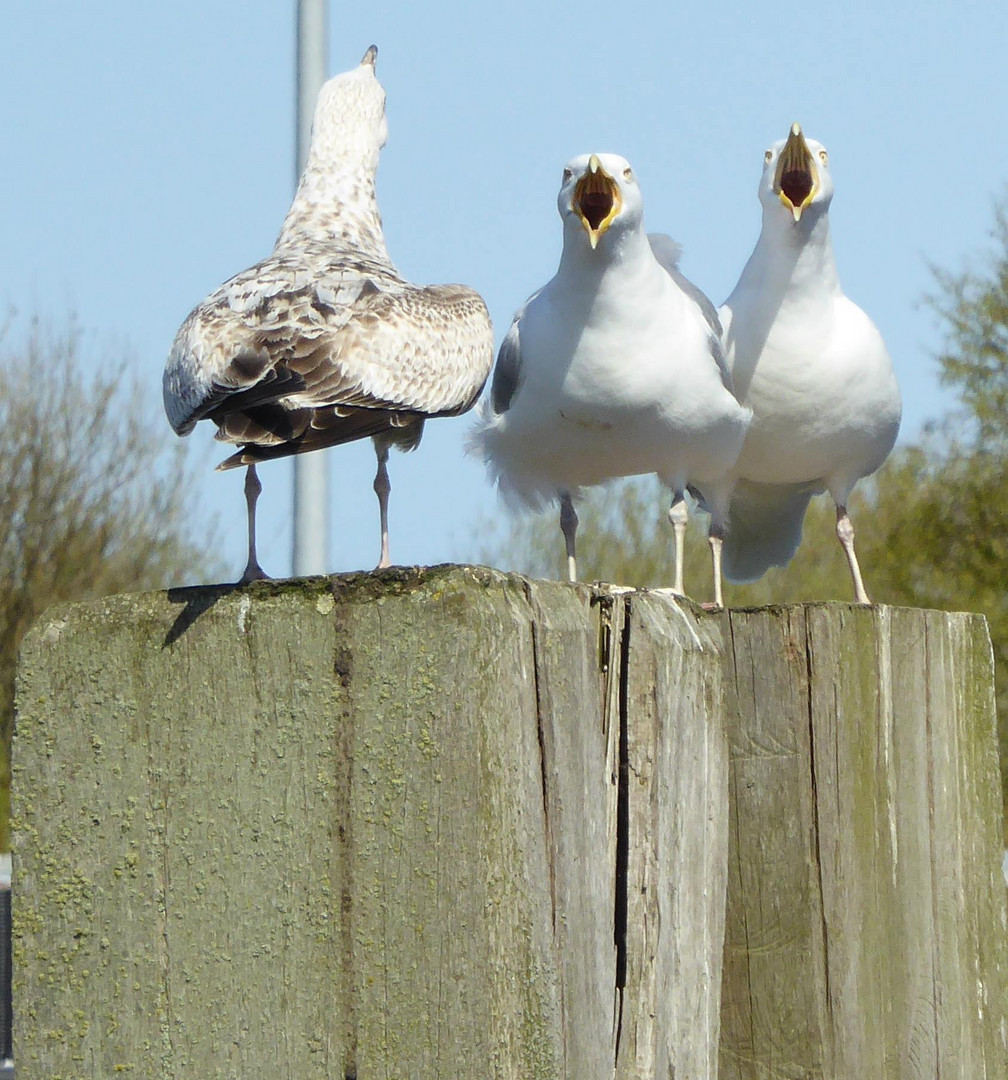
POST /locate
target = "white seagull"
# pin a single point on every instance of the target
(810, 364)
(613, 368)
(323, 342)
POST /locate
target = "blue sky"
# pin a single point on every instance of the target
(147, 155)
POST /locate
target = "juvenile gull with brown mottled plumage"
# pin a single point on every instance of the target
(323, 342)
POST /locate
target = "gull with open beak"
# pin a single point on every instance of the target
(613, 368)
(810, 364)
(596, 200)
(795, 177)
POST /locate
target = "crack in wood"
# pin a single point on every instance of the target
(820, 885)
(543, 770)
(622, 828)
(343, 672)
(544, 754)
(733, 789)
(824, 929)
(929, 772)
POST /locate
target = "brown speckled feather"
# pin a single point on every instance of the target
(323, 341)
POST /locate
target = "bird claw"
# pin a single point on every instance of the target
(253, 572)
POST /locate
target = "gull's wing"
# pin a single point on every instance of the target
(668, 252)
(313, 331)
(508, 373)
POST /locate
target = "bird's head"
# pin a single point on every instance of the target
(796, 178)
(349, 119)
(599, 197)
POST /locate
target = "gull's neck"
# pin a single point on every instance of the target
(625, 259)
(793, 260)
(790, 276)
(336, 205)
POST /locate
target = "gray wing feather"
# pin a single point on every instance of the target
(507, 374)
(699, 296)
(717, 352)
(668, 252)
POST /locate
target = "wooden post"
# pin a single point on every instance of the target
(418, 824)
(866, 906)
(453, 823)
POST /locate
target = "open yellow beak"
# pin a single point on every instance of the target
(796, 180)
(596, 200)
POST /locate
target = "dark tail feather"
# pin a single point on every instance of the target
(337, 429)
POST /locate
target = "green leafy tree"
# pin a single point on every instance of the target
(973, 309)
(93, 497)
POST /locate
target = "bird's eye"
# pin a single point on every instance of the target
(823, 156)
(768, 155)
(628, 173)
(567, 174)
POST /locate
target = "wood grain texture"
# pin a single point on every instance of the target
(866, 908)
(366, 827)
(457, 823)
(677, 843)
(577, 675)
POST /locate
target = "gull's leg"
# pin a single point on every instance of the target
(678, 515)
(382, 487)
(715, 537)
(568, 525)
(253, 571)
(716, 500)
(845, 534)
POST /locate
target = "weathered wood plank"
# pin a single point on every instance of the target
(279, 834)
(677, 843)
(455, 823)
(577, 657)
(364, 827)
(447, 894)
(866, 912)
(773, 1000)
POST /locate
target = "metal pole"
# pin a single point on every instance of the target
(311, 472)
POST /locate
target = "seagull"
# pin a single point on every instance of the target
(810, 364)
(323, 341)
(613, 368)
